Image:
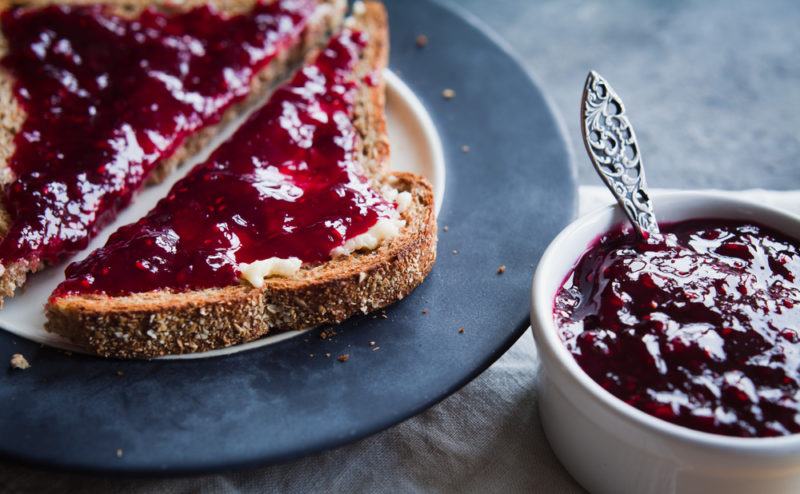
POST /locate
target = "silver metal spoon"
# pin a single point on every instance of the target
(612, 147)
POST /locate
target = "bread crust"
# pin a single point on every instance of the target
(12, 115)
(162, 323)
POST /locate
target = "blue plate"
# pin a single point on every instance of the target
(504, 201)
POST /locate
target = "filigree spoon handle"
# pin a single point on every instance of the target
(612, 147)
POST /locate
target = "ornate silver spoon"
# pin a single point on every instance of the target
(612, 147)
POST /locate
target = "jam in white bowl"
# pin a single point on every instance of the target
(669, 365)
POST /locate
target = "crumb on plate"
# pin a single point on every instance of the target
(19, 362)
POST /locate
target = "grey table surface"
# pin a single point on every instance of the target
(712, 86)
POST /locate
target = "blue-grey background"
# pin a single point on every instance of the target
(711, 86)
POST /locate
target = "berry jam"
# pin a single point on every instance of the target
(107, 98)
(287, 184)
(699, 326)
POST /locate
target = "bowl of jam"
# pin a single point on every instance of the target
(672, 363)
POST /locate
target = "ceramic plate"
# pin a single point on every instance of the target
(501, 199)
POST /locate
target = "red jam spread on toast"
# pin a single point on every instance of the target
(107, 98)
(699, 326)
(287, 184)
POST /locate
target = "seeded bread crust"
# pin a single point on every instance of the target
(327, 19)
(161, 323)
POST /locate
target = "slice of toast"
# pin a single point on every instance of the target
(163, 322)
(326, 19)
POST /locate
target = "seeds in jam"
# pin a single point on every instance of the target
(699, 326)
(287, 184)
(108, 97)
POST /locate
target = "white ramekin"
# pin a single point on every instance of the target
(609, 446)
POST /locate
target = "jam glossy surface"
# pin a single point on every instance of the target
(108, 97)
(287, 184)
(699, 326)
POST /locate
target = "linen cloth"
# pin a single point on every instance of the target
(484, 438)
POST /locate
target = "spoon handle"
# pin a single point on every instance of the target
(612, 147)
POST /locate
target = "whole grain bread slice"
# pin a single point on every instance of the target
(326, 19)
(160, 323)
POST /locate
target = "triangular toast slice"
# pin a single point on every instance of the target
(98, 98)
(294, 222)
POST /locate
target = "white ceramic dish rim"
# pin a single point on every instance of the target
(545, 332)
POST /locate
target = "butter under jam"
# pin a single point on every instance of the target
(287, 184)
(699, 326)
(107, 98)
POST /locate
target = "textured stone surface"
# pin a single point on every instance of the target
(712, 86)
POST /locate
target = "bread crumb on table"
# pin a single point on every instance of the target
(327, 334)
(448, 94)
(465, 148)
(19, 362)
(446, 228)
(461, 330)
(422, 41)
(371, 343)
(501, 269)
(343, 357)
